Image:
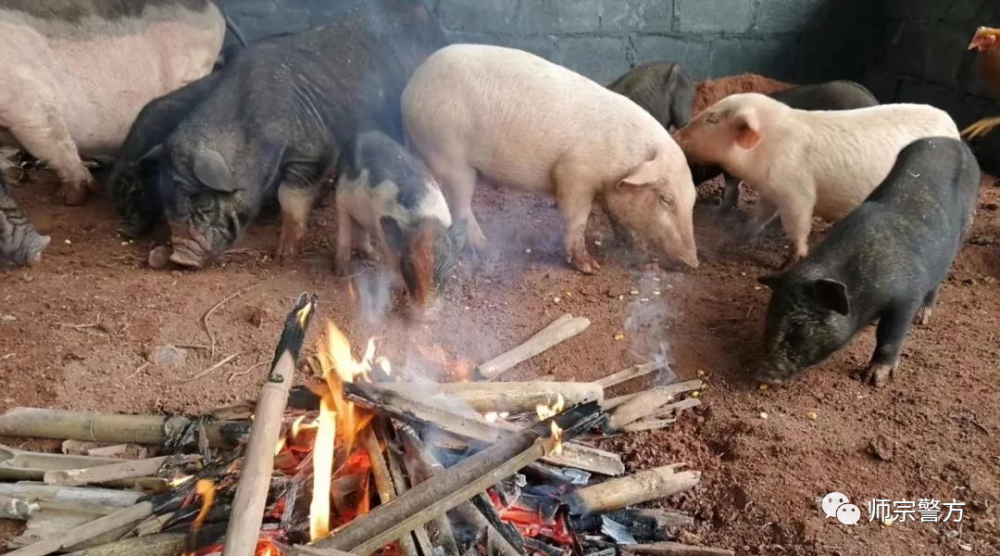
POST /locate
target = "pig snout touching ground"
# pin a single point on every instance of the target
(59, 105)
(885, 261)
(806, 163)
(384, 192)
(20, 243)
(662, 89)
(517, 119)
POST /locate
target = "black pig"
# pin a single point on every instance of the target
(884, 262)
(662, 89)
(271, 124)
(20, 243)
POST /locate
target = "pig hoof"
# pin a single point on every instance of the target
(879, 374)
(160, 257)
(924, 316)
(586, 265)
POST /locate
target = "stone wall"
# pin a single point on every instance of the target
(794, 40)
(922, 56)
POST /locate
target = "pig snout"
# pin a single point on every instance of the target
(190, 249)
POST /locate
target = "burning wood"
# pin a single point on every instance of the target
(503, 461)
(258, 465)
(498, 397)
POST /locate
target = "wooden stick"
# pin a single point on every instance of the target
(648, 425)
(676, 549)
(87, 531)
(651, 484)
(383, 478)
(163, 544)
(69, 496)
(645, 403)
(399, 481)
(28, 422)
(666, 519)
(419, 472)
(676, 408)
(460, 482)
(426, 466)
(629, 374)
(548, 337)
(563, 319)
(116, 471)
(473, 426)
(514, 397)
(16, 508)
(258, 463)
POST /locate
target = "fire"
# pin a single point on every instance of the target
(549, 411)
(337, 414)
(323, 450)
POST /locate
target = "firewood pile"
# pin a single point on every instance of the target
(406, 469)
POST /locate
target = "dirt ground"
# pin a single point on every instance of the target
(78, 331)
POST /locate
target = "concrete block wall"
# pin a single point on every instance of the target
(922, 56)
(795, 40)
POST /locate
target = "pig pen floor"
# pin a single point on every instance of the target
(76, 332)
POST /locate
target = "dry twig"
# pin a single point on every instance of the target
(138, 370)
(204, 319)
(210, 369)
(246, 372)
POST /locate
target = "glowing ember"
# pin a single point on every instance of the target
(326, 433)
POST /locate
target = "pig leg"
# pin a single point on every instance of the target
(40, 129)
(363, 243)
(345, 231)
(574, 206)
(923, 317)
(731, 193)
(796, 219)
(892, 328)
(458, 183)
(296, 203)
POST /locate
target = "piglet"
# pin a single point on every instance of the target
(884, 262)
(385, 192)
(516, 119)
(662, 89)
(806, 163)
(20, 243)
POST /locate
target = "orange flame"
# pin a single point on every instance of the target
(206, 489)
(337, 414)
(549, 411)
(326, 433)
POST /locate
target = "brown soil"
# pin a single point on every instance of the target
(76, 331)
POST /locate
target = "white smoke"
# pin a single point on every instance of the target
(648, 324)
(374, 294)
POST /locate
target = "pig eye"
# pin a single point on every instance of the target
(712, 118)
(667, 200)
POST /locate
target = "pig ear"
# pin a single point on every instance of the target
(747, 130)
(831, 295)
(393, 233)
(211, 169)
(644, 174)
(771, 280)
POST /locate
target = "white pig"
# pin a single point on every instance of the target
(522, 121)
(75, 74)
(806, 163)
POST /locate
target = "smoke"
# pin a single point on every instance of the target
(374, 295)
(648, 322)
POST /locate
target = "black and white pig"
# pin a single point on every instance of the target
(662, 89)
(885, 261)
(20, 243)
(833, 95)
(385, 192)
(272, 122)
